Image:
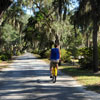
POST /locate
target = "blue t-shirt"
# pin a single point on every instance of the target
(54, 54)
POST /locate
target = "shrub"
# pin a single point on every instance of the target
(65, 55)
(74, 51)
(99, 54)
(9, 55)
(18, 53)
(86, 58)
(41, 53)
(3, 57)
(47, 53)
(35, 51)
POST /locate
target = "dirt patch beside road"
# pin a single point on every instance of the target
(4, 64)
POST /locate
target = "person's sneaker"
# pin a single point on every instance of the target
(50, 76)
(54, 81)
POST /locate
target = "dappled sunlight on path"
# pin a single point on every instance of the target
(27, 78)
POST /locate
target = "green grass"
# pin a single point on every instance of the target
(39, 57)
(85, 77)
(3, 67)
(4, 64)
(36, 55)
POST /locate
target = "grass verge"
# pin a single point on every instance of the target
(4, 64)
(85, 77)
(39, 57)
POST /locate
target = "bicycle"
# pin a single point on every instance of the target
(54, 73)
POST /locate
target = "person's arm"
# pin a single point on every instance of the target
(59, 54)
(50, 54)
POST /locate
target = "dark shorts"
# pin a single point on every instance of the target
(54, 63)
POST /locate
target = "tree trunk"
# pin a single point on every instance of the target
(87, 40)
(57, 41)
(95, 47)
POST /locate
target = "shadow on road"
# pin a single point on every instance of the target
(32, 82)
(41, 92)
(34, 90)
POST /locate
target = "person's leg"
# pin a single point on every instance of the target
(57, 66)
(50, 69)
(56, 70)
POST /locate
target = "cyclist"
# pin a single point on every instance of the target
(54, 57)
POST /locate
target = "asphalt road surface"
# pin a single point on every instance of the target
(27, 78)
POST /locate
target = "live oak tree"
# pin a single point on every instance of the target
(14, 20)
(52, 11)
(4, 4)
(88, 13)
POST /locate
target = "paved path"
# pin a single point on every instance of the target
(28, 79)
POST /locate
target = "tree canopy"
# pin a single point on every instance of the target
(52, 21)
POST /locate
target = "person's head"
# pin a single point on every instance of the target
(56, 45)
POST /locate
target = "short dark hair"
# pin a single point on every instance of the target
(56, 45)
